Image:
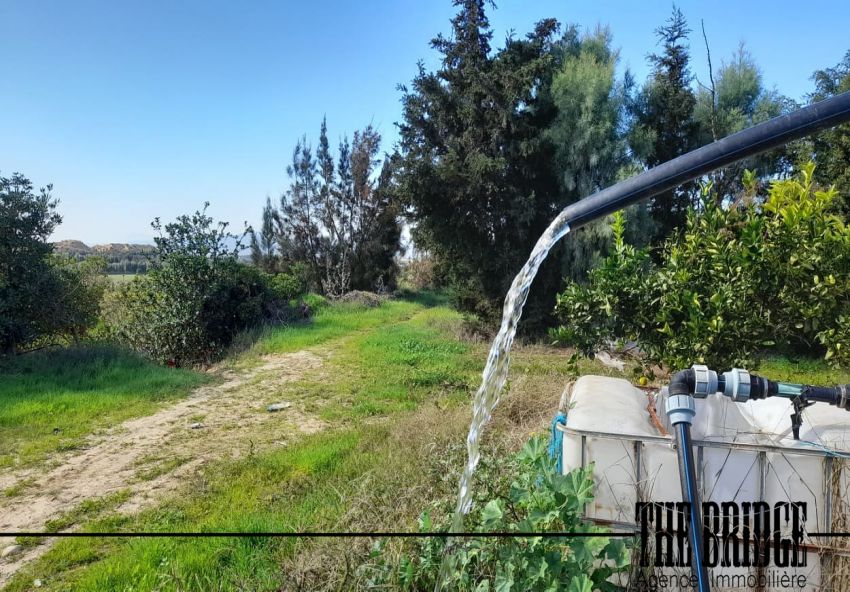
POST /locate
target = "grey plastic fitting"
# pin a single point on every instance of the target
(705, 381)
(737, 385)
(680, 409)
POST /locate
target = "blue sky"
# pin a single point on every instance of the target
(144, 109)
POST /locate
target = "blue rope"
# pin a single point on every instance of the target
(556, 441)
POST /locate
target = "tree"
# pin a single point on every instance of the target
(375, 262)
(337, 215)
(474, 170)
(27, 283)
(264, 245)
(737, 100)
(588, 137)
(784, 260)
(338, 221)
(195, 296)
(664, 123)
(42, 295)
(830, 149)
(299, 238)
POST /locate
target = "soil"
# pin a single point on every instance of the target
(148, 457)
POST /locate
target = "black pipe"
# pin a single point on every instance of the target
(744, 144)
(690, 494)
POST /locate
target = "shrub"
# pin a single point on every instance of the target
(314, 301)
(42, 296)
(760, 272)
(288, 286)
(195, 297)
(418, 274)
(539, 499)
(80, 286)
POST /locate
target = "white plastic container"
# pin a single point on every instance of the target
(743, 453)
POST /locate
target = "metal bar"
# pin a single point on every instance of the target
(583, 450)
(705, 443)
(827, 494)
(638, 471)
(701, 470)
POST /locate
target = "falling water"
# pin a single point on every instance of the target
(496, 370)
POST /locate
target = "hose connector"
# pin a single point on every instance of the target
(680, 409)
(737, 385)
(705, 381)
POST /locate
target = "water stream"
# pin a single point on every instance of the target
(496, 370)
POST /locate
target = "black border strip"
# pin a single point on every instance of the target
(411, 535)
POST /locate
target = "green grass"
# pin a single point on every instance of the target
(395, 392)
(338, 320)
(387, 361)
(53, 399)
(802, 370)
(122, 278)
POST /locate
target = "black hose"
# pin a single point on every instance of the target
(690, 494)
(749, 142)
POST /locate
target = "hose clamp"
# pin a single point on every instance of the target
(842, 403)
(680, 409)
(705, 381)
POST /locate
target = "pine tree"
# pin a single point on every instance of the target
(264, 245)
(589, 144)
(299, 238)
(475, 170)
(339, 221)
(664, 124)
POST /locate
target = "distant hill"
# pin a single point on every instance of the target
(120, 257)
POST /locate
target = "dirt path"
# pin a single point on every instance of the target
(147, 457)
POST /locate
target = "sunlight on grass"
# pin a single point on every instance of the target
(53, 399)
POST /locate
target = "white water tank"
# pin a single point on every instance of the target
(743, 453)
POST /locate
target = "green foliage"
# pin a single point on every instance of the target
(42, 296)
(339, 223)
(474, 168)
(830, 149)
(664, 125)
(539, 499)
(589, 147)
(588, 137)
(26, 221)
(612, 300)
(737, 99)
(765, 272)
(80, 286)
(194, 299)
(287, 286)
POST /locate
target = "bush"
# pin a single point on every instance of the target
(418, 274)
(288, 286)
(195, 297)
(79, 290)
(42, 296)
(764, 271)
(539, 499)
(314, 301)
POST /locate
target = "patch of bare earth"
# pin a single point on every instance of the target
(151, 456)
